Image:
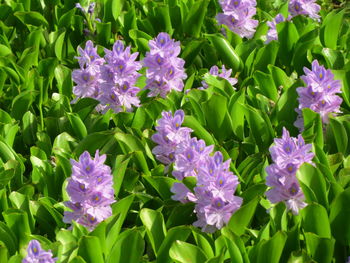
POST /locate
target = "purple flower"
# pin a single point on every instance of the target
(91, 191)
(225, 74)
(237, 16)
(319, 94)
(272, 32)
(165, 70)
(118, 79)
(169, 136)
(304, 7)
(214, 192)
(288, 154)
(36, 254)
(87, 77)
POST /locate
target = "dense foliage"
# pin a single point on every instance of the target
(174, 131)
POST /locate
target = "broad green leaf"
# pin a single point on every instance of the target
(31, 18)
(271, 250)
(265, 56)
(241, 219)
(339, 217)
(194, 19)
(90, 249)
(17, 221)
(29, 128)
(183, 252)
(226, 52)
(313, 179)
(176, 233)
(340, 135)
(319, 248)
(315, 220)
(204, 242)
(330, 28)
(78, 125)
(198, 130)
(287, 37)
(266, 85)
(155, 227)
(21, 103)
(129, 247)
(59, 46)
(162, 185)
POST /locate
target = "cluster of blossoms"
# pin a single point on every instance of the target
(36, 254)
(319, 94)
(112, 80)
(288, 155)
(165, 70)
(213, 195)
(225, 74)
(304, 7)
(91, 191)
(118, 79)
(237, 16)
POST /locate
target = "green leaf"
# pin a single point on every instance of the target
(287, 37)
(339, 217)
(195, 18)
(21, 103)
(315, 220)
(241, 219)
(155, 227)
(265, 56)
(321, 249)
(17, 221)
(77, 124)
(340, 135)
(59, 46)
(29, 128)
(198, 130)
(176, 233)
(90, 249)
(271, 250)
(203, 241)
(266, 85)
(31, 18)
(314, 180)
(4, 51)
(226, 52)
(183, 252)
(162, 185)
(129, 247)
(217, 117)
(330, 28)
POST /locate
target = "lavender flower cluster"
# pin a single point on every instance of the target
(112, 80)
(36, 254)
(237, 16)
(304, 7)
(225, 74)
(91, 192)
(288, 155)
(165, 70)
(213, 195)
(319, 94)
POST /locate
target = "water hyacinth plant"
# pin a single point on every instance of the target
(174, 131)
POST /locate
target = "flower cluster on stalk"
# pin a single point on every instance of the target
(165, 70)
(112, 80)
(213, 195)
(36, 254)
(319, 94)
(118, 78)
(288, 154)
(91, 192)
(237, 16)
(225, 74)
(304, 7)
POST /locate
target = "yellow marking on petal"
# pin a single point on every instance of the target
(85, 77)
(188, 156)
(233, 19)
(88, 168)
(112, 97)
(219, 204)
(121, 67)
(221, 182)
(82, 187)
(321, 75)
(177, 125)
(35, 250)
(235, 3)
(323, 102)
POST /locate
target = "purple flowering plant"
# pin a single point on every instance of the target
(288, 154)
(91, 192)
(320, 93)
(35, 254)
